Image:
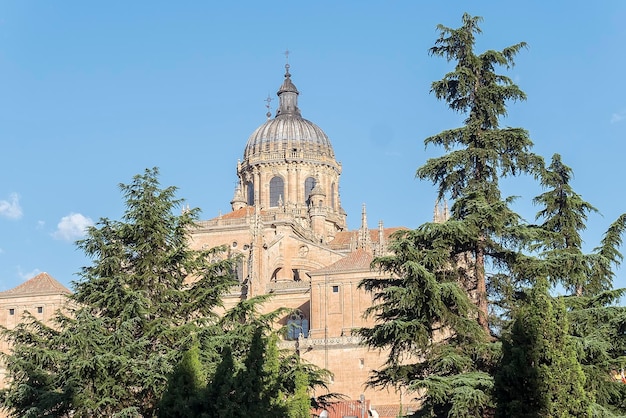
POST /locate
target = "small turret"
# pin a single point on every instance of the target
(239, 201)
(317, 196)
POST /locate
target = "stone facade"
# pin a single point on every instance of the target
(289, 229)
(42, 296)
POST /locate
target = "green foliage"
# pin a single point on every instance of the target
(540, 374)
(181, 399)
(254, 378)
(426, 320)
(438, 310)
(35, 366)
(596, 321)
(257, 383)
(220, 397)
(598, 326)
(299, 405)
(130, 319)
(433, 313)
(479, 153)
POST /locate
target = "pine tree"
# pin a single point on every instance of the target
(433, 311)
(132, 314)
(480, 152)
(564, 213)
(35, 365)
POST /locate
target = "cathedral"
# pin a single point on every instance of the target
(289, 231)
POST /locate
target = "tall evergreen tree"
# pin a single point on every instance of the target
(564, 214)
(220, 397)
(132, 314)
(433, 313)
(596, 319)
(480, 152)
(182, 398)
(540, 375)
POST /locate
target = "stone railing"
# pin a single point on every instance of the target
(312, 343)
(290, 155)
(222, 222)
(286, 286)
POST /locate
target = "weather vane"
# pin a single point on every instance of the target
(268, 101)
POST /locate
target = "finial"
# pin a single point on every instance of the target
(287, 63)
(268, 101)
(364, 240)
(363, 217)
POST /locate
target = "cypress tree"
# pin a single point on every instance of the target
(184, 387)
(540, 375)
(220, 399)
(594, 313)
(299, 405)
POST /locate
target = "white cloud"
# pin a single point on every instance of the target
(11, 208)
(619, 116)
(72, 227)
(27, 275)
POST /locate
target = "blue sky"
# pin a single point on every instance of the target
(92, 93)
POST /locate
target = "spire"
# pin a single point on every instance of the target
(288, 94)
(441, 214)
(381, 238)
(363, 240)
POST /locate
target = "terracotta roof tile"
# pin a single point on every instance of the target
(343, 409)
(353, 408)
(239, 213)
(42, 283)
(356, 260)
(344, 238)
(393, 411)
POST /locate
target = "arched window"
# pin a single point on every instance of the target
(250, 192)
(309, 184)
(238, 269)
(297, 324)
(277, 190)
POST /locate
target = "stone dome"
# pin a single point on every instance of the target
(288, 136)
